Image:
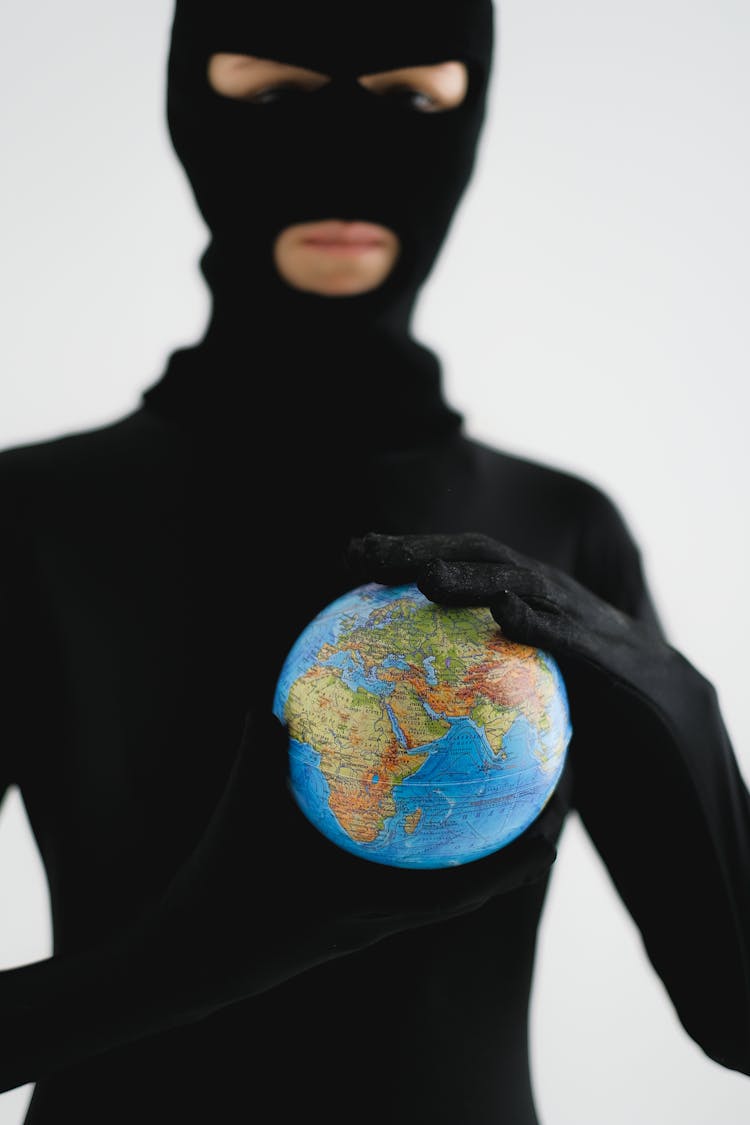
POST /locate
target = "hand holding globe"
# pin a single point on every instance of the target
(265, 896)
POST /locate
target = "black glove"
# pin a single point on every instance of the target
(263, 897)
(534, 604)
(676, 843)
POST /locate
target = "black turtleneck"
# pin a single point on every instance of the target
(154, 580)
(155, 572)
(384, 393)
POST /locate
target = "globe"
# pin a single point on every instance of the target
(419, 736)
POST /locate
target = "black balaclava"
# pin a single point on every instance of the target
(280, 357)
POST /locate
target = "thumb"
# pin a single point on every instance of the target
(258, 774)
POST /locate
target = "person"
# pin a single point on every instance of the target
(214, 955)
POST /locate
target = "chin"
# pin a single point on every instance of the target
(332, 287)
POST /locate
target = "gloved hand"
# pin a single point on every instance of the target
(677, 842)
(265, 895)
(262, 897)
(534, 604)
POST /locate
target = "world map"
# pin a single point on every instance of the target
(419, 735)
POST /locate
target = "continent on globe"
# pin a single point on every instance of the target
(419, 735)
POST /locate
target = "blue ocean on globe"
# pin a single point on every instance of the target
(419, 735)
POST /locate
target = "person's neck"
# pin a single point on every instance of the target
(306, 369)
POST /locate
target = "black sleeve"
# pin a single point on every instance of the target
(660, 793)
(11, 568)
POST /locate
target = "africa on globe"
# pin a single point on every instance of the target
(419, 735)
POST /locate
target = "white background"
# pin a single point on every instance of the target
(591, 308)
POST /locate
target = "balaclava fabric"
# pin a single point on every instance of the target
(294, 360)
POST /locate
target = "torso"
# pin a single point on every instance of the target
(154, 569)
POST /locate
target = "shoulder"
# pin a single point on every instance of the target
(574, 509)
(67, 450)
(67, 468)
(586, 504)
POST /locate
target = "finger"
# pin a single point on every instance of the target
(487, 883)
(446, 891)
(264, 747)
(525, 860)
(479, 583)
(400, 558)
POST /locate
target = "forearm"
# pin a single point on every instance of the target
(677, 843)
(149, 979)
(687, 705)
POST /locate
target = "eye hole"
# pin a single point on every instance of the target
(433, 88)
(417, 100)
(247, 78)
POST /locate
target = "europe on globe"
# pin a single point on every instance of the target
(419, 735)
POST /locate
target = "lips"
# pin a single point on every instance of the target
(340, 234)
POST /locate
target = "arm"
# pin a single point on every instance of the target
(9, 739)
(11, 648)
(238, 919)
(677, 847)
